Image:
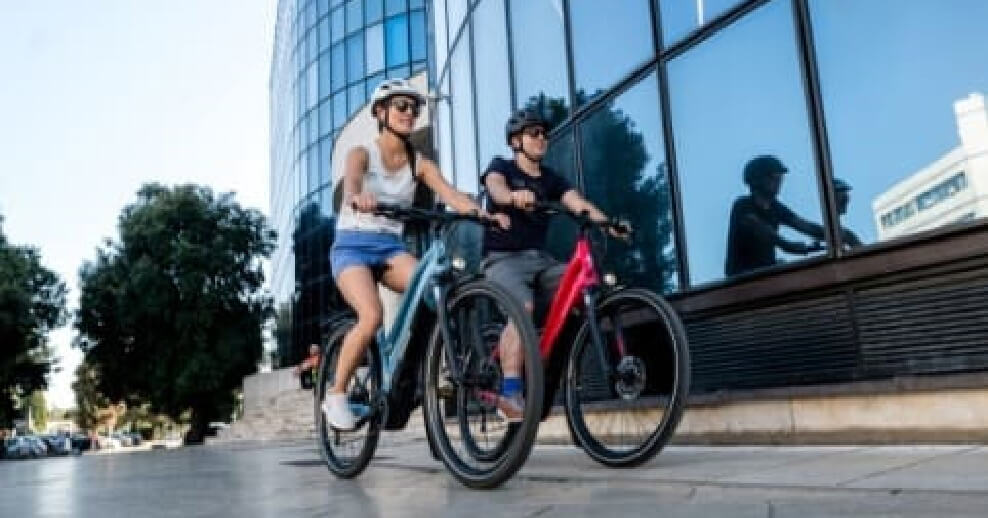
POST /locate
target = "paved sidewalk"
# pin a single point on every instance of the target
(288, 479)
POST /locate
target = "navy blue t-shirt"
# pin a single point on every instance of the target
(528, 229)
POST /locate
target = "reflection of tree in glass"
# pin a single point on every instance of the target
(616, 180)
(312, 238)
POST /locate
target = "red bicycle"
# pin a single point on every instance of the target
(619, 353)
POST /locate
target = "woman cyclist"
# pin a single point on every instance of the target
(369, 247)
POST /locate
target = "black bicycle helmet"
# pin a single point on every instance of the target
(761, 167)
(520, 120)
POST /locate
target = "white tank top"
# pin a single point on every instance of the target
(397, 188)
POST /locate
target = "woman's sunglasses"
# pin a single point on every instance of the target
(405, 105)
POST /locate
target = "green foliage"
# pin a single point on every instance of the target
(39, 410)
(88, 399)
(171, 314)
(32, 303)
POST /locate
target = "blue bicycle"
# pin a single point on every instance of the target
(442, 350)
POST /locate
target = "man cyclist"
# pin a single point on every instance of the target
(515, 257)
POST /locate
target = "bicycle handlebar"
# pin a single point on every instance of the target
(417, 214)
(583, 218)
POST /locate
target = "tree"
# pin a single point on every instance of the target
(172, 313)
(89, 402)
(39, 411)
(32, 303)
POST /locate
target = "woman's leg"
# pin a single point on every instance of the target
(358, 288)
(399, 272)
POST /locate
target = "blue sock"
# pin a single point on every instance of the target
(511, 386)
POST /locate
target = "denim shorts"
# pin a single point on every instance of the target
(360, 248)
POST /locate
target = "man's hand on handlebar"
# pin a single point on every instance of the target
(523, 199)
(619, 229)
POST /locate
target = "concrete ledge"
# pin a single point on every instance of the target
(929, 417)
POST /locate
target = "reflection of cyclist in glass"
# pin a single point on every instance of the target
(754, 235)
(515, 258)
(842, 190)
(369, 247)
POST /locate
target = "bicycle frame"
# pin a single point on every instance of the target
(578, 290)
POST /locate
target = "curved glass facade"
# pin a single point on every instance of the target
(328, 57)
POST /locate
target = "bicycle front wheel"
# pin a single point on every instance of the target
(463, 382)
(626, 388)
(347, 453)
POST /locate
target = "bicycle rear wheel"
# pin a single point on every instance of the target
(347, 453)
(624, 395)
(463, 380)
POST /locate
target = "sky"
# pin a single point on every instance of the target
(100, 97)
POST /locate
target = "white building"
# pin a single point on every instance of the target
(950, 190)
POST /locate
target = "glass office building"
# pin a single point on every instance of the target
(871, 113)
(328, 56)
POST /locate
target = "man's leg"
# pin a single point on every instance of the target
(513, 273)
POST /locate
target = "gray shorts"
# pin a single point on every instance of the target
(526, 274)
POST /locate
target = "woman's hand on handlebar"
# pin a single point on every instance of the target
(363, 202)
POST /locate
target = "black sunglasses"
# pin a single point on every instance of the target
(405, 105)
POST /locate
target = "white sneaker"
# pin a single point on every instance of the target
(336, 409)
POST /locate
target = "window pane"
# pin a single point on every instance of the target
(457, 11)
(373, 10)
(439, 26)
(313, 125)
(325, 118)
(396, 40)
(626, 174)
(395, 7)
(402, 72)
(373, 81)
(338, 20)
(355, 58)
(323, 6)
(680, 17)
(374, 36)
(465, 160)
(313, 168)
(338, 76)
(596, 26)
(325, 85)
(445, 144)
(312, 45)
(493, 79)
(355, 98)
(310, 15)
(760, 111)
(541, 80)
(905, 114)
(417, 22)
(323, 34)
(416, 4)
(339, 109)
(354, 15)
(325, 148)
(313, 84)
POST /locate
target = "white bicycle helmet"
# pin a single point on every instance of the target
(391, 87)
